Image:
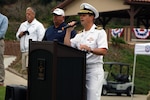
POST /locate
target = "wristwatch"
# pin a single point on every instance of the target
(91, 50)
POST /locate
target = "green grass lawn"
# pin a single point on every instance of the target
(2, 92)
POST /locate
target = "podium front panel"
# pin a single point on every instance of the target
(69, 84)
(40, 75)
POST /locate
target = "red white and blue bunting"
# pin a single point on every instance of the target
(117, 32)
(141, 33)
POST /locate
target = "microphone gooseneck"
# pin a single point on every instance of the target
(67, 26)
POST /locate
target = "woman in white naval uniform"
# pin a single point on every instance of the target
(93, 40)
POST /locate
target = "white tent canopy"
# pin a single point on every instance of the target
(140, 49)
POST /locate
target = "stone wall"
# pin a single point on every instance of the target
(12, 48)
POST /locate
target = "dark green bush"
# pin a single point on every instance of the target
(117, 40)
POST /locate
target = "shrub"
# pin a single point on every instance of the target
(117, 41)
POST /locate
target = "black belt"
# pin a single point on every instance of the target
(1, 38)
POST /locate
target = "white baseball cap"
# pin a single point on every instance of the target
(59, 12)
(86, 8)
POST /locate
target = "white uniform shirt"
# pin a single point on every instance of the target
(36, 33)
(94, 38)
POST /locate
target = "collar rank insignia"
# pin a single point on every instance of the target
(98, 28)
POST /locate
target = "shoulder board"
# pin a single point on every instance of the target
(98, 28)
(80, 31)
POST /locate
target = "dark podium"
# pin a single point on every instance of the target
(55, 72)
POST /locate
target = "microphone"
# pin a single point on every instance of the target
(67, 26)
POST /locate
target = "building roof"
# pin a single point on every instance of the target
(108, 9)
(113, 8)
(71, 7)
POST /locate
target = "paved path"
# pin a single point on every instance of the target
(11, 78)
(8, 59)
(136, 97)
(14, 79)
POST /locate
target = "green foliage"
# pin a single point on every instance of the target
(11, 32)
(117, 40)
(2, 93)
(45, 1)
(142, 72)
(44, 15)
(2, 2)
(118, 23)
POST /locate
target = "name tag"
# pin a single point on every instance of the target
(59, 31)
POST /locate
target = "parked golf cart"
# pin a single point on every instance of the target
(117, 79)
